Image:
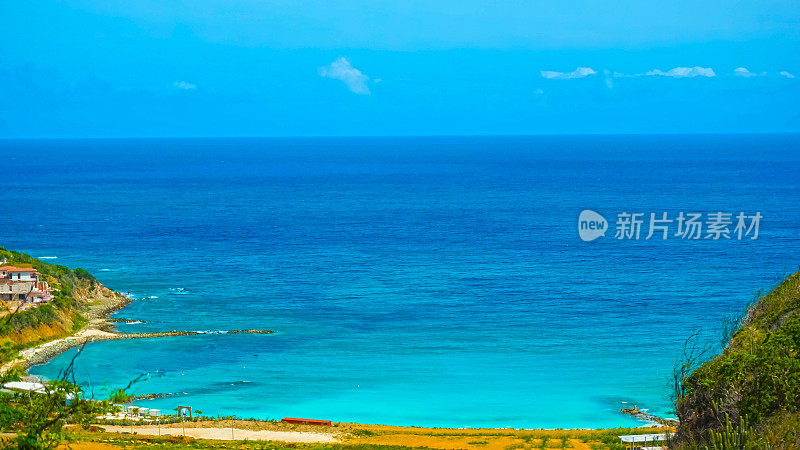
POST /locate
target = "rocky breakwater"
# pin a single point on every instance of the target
(49, 350)
(643, 415)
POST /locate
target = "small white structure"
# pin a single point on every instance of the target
(634, 440)
(30, 386)
(25, 386)
(154, 412)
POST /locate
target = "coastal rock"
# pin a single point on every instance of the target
(45, 352)
(639, 414)
(154, 396)
(120, 320)
(250, 332)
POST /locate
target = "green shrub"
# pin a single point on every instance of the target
(743, 392)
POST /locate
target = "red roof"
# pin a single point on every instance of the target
(17, 269)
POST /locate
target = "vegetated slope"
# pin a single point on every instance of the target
(749, 395)
(75, 290)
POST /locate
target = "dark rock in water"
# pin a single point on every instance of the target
(63, 345)
(118, 320)
(250, 332)
(186, 333)
(639, 414)
(154, 396)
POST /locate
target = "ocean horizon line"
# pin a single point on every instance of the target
(395, 136)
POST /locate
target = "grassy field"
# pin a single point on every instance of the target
(355, 436)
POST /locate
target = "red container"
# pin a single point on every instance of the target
(327, 423)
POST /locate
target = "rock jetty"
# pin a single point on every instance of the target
(642, 415)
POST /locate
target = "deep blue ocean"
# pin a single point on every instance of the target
(411, 281)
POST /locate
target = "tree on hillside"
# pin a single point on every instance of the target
(38, 417)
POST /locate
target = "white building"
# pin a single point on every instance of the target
(23, 284)
(19, 273)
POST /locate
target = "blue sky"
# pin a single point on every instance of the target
(114, 68)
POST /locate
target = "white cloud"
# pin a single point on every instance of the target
(685, 72)
(184, 85)
(342, 70)
(580, 72)
(787, 74)
(743, 72)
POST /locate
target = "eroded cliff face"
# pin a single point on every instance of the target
(96, 299)
(92, 291)
(101, 301)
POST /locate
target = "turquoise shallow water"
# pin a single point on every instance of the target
(411, 281)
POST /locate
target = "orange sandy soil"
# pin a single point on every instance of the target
(367, 435)
(448, 438)
(90, 446)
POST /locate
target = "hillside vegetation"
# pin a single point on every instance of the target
(74, 291)
(749, 395)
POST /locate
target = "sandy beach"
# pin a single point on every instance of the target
(227, 434)
(101, 302)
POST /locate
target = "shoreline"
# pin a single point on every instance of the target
(44, 352)
(97, 312)
(100, 328)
